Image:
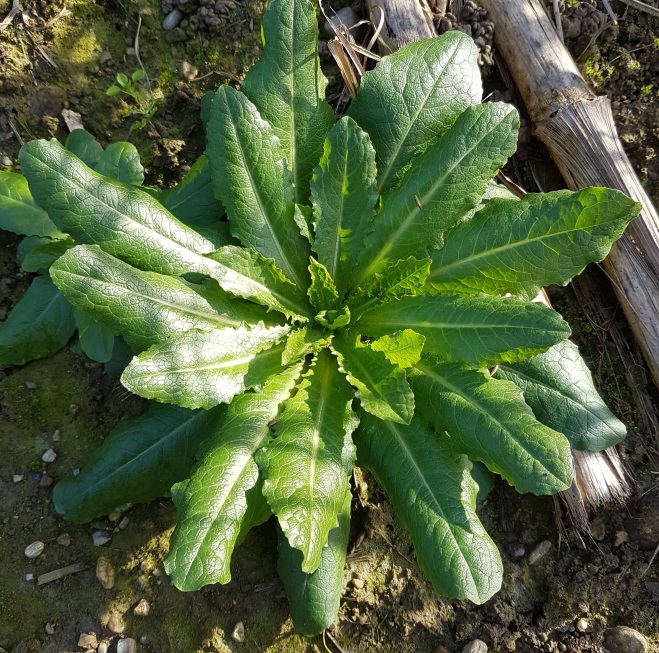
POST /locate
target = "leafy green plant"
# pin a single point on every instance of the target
(144, 100)
(366, 277)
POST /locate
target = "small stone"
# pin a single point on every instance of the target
(103, 646)
(57, 436)
(620, 538)
(99, 538)
(50, 629)
(188, 71)
(598, 530)
(127, 645)
(131, 52)
(592, 569)
(144, 639)
(72, 120)
(64, 539)
(104, 57)
(114, 516)
(238, 633)
(34, 550)
(46, 481)
(87, 641)
(357, 583)
(543, 637)
(30, 385)
(625, 640)
(105, 573)
(116, 625)
(17, 478)
(7, 162)
(475, 646)
(539, 552)
(562, 647)
(142, 609)
(172, 19)
(123, 523)
(518, 551)
(29, 577)
(583, 626)
(49, 456)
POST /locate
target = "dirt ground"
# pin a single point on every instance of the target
(65, 54)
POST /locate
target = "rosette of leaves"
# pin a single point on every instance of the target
(368, 281)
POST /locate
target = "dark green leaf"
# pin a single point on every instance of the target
(96, 339)
(84, 145)
(35, 253)
(121, 161)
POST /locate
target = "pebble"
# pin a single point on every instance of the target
(131, 52)
(625, 640)
(30, 385)
(518, 551)
(475, 646)
(87, 641)
(238, 633)
(127, 645)
(144, 639)
(116, 625)
(49, 456)
(114, 516)
(50, 629)
(598, 530)
(583, 626)
(592, 569)
(357, 583)
(172, 19)
(64, 539)
(46, 481)
(6, 161)
(142, 609)
(620, 538)
(123, 523)
(34, 550)
(57, 436)
(99, 538)
(539, 552)
(105, 573)
(103, 646)
(104, 57)
(29, 577)
(188, 71)
(17, 478)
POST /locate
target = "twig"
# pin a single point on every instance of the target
(557, 18)
(41, 51)
(224, 73)
(13, 128)
(136, 47)
(56, 574)
(609, 10)
(641, 6)
(16, 9)
(654, 555)
(331, 639)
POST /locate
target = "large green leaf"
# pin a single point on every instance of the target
(144, 307)
(488, 420)
(85, 147)
(247, 160)
(413, 96)
(138, 461)
(124, 220)
(212, 503)
(198, 369)
(306, 468)
(314, 599)
(288, 87)
(479, 329)
(434, 497)
(96, 339)
(121, 161)
(521, 246)
(343, 194)
(248, 274)
(559, 387)
(381, 385)
(19, 212)
(38, 326)
(440, 187)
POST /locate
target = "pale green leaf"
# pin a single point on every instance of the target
(301, 342)
(121, 161)
(303, 219)
(322, 291)
(403, 348)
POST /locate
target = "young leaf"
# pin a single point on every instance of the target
(246, 157)
(314, 599)
(120, 296)
(381, 385)
(35, 253)
(559, 388)
(124, 220)
(96, 339)
(322, 291)
(489, 421)
(303, 219)
(440, 187)
(479, 330)
(307, 466)
(301, 342)
(518, 247)
(200, 548)
(413, 96)
(434, 497)
(403, 348)
(19, 212)
(38, 326)
(343, 194)
(139, 461)
(288, 87)
(122, 80)
(199, 369)
(121, 161)
(84, 145)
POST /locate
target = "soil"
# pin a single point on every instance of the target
(59, 55)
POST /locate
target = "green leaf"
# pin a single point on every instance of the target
(343, 194)
(138, 461)
(477, 329)
(521, 246)
(322, 291)
(35, 253)
(381, 385)
(96, 339)
(403, 348)
(212, 503)
(307, 466)
(440, 187)
(303, 219)
(413, 96)
(559, 388)
(302, 342)
(247, 161)
(288, 87)
(137, 75)
(489, 421)
(246, 273)
(38, 326)
(434, 497)
(122, 80)
(19, 212)
(113, 90)
(124, 220)
(144, 307)
(84, 145)
(314, 599)
(121, 161)
(199, 369)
